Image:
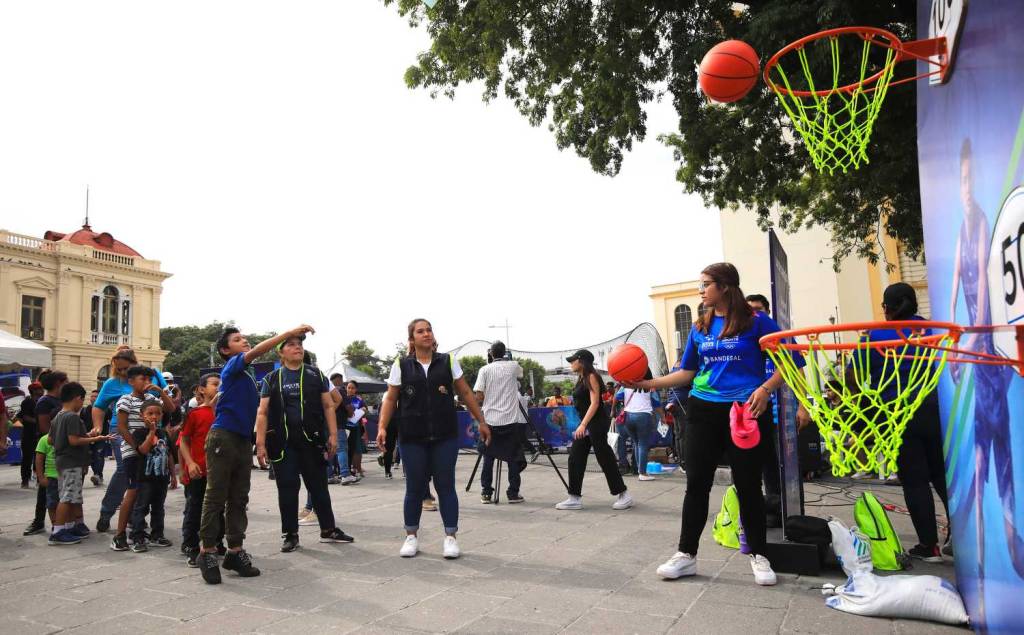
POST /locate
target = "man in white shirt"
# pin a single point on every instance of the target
(497, 388)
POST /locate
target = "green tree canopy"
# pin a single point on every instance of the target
(532, 368)
(471, 365)
(590, 68)
(190, 347)
(361, 356)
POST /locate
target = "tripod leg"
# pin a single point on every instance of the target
(558, 472)
(497, 484)
(479, 457)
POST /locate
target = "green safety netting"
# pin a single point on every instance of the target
(834, 124)
(862, 414)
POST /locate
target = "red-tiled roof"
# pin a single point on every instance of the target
(86, 236)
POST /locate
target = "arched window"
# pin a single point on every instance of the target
(684, 320)
(102, 376)
(110, 309)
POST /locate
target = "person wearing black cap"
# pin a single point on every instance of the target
(296, 428)
(920, 465)
(591, 432)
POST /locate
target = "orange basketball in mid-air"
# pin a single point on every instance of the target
(729, 70)
(627, 363)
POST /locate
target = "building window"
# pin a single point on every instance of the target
(684, 319)
(94, 314)
(102, 376)
(125, 317)
(32, 317)
(110, 302)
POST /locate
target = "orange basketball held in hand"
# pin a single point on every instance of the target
(627, 363)
(729, 70)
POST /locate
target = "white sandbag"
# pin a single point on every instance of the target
(921, 597)
(852, 548)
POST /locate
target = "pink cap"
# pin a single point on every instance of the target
(745, 433)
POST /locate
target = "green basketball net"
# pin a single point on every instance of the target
(834, 114)
(861, 395)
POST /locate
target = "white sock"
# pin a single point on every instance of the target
(55, 528)
(574, 498)
(70, 525)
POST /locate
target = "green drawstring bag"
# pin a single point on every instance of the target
(726, 531)
(886, 550)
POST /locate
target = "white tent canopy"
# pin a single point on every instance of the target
(16, 351)
(367, 384)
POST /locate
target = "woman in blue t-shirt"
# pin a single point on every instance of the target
(724, 363)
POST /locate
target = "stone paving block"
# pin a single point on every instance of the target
(126, 624)
(444, 612)
(235, 620)
(489, 625)
(730, 619)
(26, 627)
(654, 596)
(808, 614)
(551, 605)
(601, 620)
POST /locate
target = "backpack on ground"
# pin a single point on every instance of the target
(886, 550)
(726, 531)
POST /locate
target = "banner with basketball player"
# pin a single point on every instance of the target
(971, 136)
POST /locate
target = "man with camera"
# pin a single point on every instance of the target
(497, 388)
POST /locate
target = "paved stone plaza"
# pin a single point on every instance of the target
(525, 569)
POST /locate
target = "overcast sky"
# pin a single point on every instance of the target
(245, 144)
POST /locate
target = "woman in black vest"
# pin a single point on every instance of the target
(421, 394)
(296, 429)
(591, 432)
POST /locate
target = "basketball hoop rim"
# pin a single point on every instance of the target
(953, 331)
(917, 50)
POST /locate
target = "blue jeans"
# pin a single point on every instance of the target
(116, 485)
(620, 446)
(640, 426)
(425, 462)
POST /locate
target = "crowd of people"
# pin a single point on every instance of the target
(310, 429)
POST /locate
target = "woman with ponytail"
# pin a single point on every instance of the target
(920, 465)
(725, 364)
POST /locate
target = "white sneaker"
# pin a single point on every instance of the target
(451, 548)
(410, 547)
(678, 566)
(645, 477)
(348, 480)
(762, 569)
(309, 519)
(303, 513)
(573, 502)
(624, 501)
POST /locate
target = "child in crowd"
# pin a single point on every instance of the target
(156, 474)
(46, 474)
(192, 448)
(71, 442)
(133, 431)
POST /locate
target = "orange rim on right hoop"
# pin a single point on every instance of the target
(833, 104)
(862, 393)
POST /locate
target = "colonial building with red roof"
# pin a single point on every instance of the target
(83, 294)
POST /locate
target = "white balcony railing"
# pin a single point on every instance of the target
(109, 339)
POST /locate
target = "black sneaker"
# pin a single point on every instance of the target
(208, 566)
(512, 499)
(33, 528)
(486, 499)
(159, 541)
(103, 524)
(119, 543)
(240, 562)
(926, 554)
(335, 535)
(140, 546)
(289, 543)
(192, 558)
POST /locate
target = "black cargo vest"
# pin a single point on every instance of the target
(314, 422)
(426, 402)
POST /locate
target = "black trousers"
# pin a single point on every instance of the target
(354, 437)
(770, 472)
(305, 460)
(920, 467)
(707, 438)
(149, 499)
(40, 505)
(390, 440)
(29, 440)
(195, 493)
(579, 452)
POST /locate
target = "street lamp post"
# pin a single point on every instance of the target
(505, 326)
